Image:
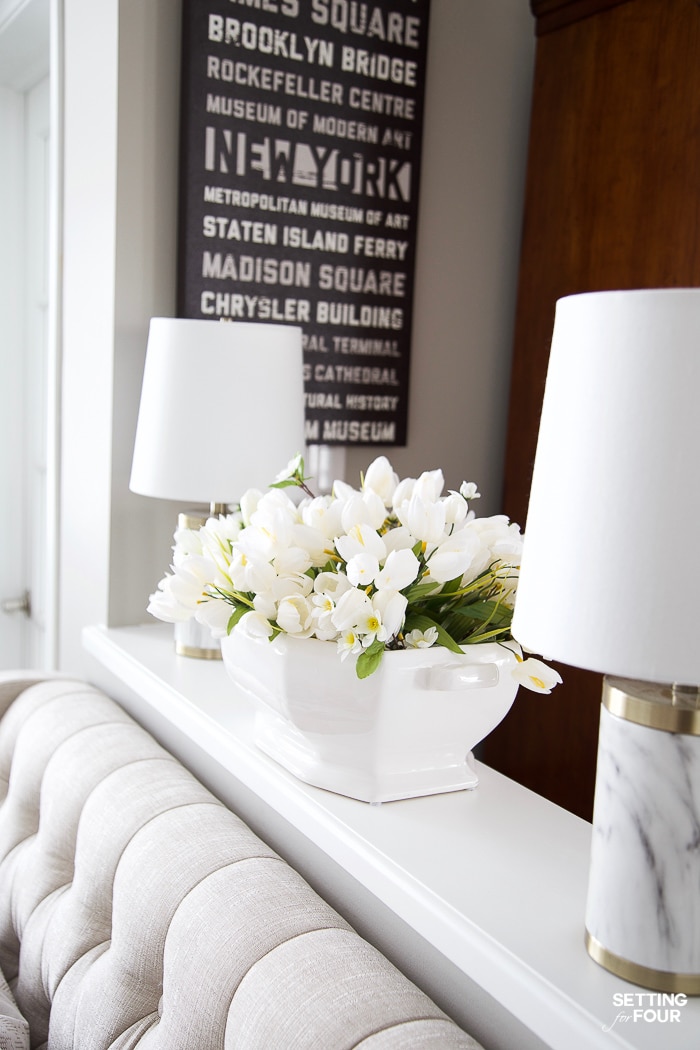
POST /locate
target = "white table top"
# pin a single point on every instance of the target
(495, 879)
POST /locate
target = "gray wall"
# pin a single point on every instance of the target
(121, 115)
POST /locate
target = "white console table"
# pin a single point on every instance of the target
(478, 895)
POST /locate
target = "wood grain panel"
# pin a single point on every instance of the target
(554, 14)
(612, 202)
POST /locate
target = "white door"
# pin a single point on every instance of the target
(25, 174)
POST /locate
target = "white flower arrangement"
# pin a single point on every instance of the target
(394, 564)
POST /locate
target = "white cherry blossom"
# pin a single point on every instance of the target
(370, 627)
(469, 490)
(349, 644)
(421, 639)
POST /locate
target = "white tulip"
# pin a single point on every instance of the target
(322, 611)
(535, 675)
(177, 595)
(400, 569)
(360, 539)
(403, 492)
(294, 616)
(391, 606)
(214, 614)
(323, 515)
(293, 584)
(255, 624)
(187, 542)
(350, 608)
(342, 492)
(249, 504)
(362, 569)
(289, 560)
(429, 486)
(398, 539)
(313, 541)
(265, 605)
(164, 606)
(381, 478)
(454, 557)
(456, 509)
(365, 508)
(332, 583)
(250, 572)
(424, 519)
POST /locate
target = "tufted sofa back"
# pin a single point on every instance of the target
(136, 911)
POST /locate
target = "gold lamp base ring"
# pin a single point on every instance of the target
(659, 980)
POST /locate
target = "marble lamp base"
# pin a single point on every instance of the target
(192, 638)
(643, 909)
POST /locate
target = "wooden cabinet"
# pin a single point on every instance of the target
(612, 201)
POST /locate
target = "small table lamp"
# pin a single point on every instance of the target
(610, 582)
(222, 411)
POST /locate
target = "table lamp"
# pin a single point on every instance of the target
(610, 582)
(222, 411)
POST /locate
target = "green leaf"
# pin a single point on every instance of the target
(285, 484)
(482, 612)
(498, 634)
(417, 621)
(369, 660)
(473, 619)
(416, 591)
(236, 615)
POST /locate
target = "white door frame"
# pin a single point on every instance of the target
(30, 48)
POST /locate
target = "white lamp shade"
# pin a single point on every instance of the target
(610, 577)
(222, 409)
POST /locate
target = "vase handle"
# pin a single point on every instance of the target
(462, 676)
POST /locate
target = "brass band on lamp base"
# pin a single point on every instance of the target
(673, 708)
(196, 518)
(197, 652)
(191, 638)
(659, 980)
(642, 914)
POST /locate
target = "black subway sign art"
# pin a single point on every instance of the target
(300, 175)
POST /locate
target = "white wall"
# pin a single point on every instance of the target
(121, 109)
(121, 115)
(480, 64)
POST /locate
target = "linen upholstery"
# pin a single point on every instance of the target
(14, 1030)
(138, 913)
